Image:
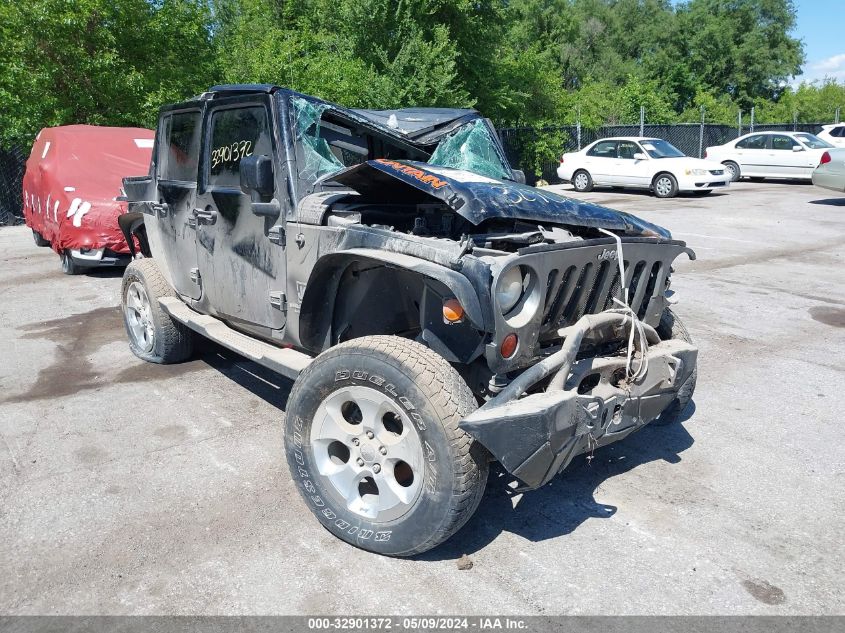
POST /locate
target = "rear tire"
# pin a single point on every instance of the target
(671, 327)
(69, 266)
(665, 185)
(733, 170)
(154, 335)
(372, 441)
(39, 239)
(582, 181)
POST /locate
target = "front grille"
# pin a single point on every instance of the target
(589, 287)
(717, 172)
(581, 277)
(573, 293)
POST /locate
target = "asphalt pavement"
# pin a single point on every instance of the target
(131, 488)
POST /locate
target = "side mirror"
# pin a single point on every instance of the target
(257, 175)
(640, 156)
(519, 176)
(797, 148)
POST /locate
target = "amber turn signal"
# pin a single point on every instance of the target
(452, 310)
(508, 346)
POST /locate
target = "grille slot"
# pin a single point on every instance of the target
(560, 289)
(653, 276)
(572, 308)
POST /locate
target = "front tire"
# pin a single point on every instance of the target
(154, 335)
(665, 186)
(733, 170)
(39, 239)
(671, 327)
(69, 266)
(582, 181)
(372, 441)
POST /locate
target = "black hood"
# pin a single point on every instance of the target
(478, 198)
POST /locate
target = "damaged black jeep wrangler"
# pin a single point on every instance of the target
(435, 312)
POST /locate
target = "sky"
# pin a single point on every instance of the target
(820, 27)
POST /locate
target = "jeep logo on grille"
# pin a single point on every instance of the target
(606, 255)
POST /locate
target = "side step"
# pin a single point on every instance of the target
(287, 362)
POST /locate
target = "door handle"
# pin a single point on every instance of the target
(159, 209)
(270, 209)
(205, 216)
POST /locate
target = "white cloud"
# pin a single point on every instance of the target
(832, 67)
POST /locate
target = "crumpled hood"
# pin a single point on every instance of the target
(478, 198)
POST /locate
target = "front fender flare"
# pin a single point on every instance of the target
(318, 302)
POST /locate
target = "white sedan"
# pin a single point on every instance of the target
(645, 163)
(770, 155)
(833, 134)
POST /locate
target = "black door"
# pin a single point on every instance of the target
(242, 272)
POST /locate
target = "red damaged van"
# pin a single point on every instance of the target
(72, 191)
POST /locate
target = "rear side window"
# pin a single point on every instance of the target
(235, 134)
(604, 149)
(628, 149)
(179, 146)
(783, 142)
(838, 132)
(753, 142)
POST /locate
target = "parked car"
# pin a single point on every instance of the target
(770, 155)
(393, 264)
(639, 162)
(834, 134)
(830, 173)
(72, 191)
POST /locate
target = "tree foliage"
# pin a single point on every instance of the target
(521, 62)
(99, 61)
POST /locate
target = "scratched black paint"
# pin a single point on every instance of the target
(478, 198)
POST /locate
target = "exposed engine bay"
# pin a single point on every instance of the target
(426, 220)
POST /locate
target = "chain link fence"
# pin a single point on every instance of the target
(12, 165)
(692, 139)
(520, 143)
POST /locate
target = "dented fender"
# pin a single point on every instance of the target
(324, 284)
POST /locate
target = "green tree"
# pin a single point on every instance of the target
(332, 50)
(739, 47)
(809, 103)
(99, 61)
(645, 93)
(521, 62)
(451, 43)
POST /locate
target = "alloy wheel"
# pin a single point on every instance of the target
(139, 317)
(368, 449)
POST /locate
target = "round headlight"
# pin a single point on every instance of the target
(509, 289)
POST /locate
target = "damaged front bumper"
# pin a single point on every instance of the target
(537, 436)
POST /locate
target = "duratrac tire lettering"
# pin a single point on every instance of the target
(435, 398)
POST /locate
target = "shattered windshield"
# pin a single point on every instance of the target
(318, 159)
(471, 148)
(327, 142)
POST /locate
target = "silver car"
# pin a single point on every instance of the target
(830, 173)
